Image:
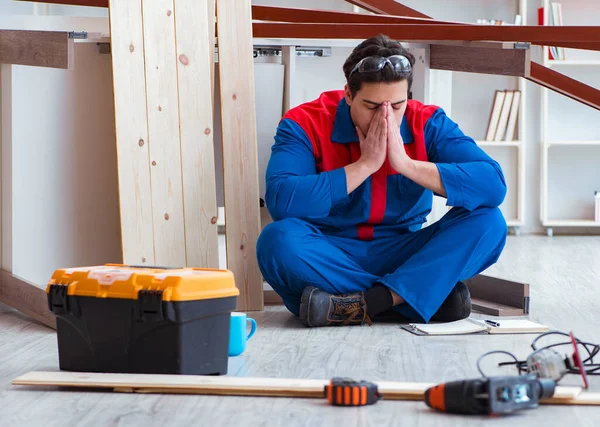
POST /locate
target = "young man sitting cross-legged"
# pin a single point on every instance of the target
(350, 182)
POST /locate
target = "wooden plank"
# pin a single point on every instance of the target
(196, 126)
(508, 62)
(388, 7)
(91, 3)
(131, 130)
(53, 49)
(163, 132)
(285, 14)
(564, 85)
(554, 34)
(240, 159)
(251, 386)
(495, 309)
(25, 297)
(500, 291)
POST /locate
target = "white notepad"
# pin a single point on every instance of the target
(472, 326)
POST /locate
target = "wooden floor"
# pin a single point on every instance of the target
(565, 277)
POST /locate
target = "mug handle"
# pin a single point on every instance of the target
(253, 328)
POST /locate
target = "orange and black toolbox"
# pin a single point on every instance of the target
(131, 319)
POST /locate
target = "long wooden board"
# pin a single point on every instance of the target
(285, 14)
(163, 132)
(53, 49)
(194, 69)
(389, 7)
(250, 386)
(25, 297)
(565, 85)
(532, 34)
(240, 157)
(131, 128)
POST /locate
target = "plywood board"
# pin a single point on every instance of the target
(240, 161)
(53, 49)
(249, 386)
(194, 67)
(26, 298)
(131, 128)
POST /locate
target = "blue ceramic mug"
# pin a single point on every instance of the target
(238, 333)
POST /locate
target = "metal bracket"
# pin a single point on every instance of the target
(78, 35)
(300, 51)
(522, 45)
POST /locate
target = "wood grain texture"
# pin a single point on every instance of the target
(240, 161)
(131, 130)
(494, 309)
(500, 291)
(52, 49)
(507, 62)
(194, 65)
(29, 299)
(91, 3)
(163, 132)
(533, 34)
(284, 14)
(565, 85)
(248, 386)
(388, 7)
(564, 273)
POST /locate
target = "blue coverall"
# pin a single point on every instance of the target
(343, 243)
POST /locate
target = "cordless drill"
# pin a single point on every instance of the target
(493, 396)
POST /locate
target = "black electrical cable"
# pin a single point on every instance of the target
(493, 352)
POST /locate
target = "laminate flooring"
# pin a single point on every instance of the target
(564, 273)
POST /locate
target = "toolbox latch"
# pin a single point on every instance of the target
(149, 306)
(57, 299)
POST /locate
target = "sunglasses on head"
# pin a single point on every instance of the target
(373, 64)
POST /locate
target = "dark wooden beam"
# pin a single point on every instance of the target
(25, 297)
(52, 49)
(92, 3)
(285, 14)
(507, 62)
(387, 7)
(564, 85)
(555, 35)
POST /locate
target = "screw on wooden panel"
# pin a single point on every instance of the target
(234, 97)
(159, 108)
(184, 59)
(131, 48)
(213, 220)
(141, 142)
(143, 259)
(207, 131)
(167, 216)
(153, 162)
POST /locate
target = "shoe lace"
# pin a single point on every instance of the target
(352, 310)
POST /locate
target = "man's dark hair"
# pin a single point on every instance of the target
(380, 45)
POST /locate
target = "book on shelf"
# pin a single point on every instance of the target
(503, 116)
(555, 18)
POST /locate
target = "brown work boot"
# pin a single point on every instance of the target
(319, 308)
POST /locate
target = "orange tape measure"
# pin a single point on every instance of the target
(347, 392)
